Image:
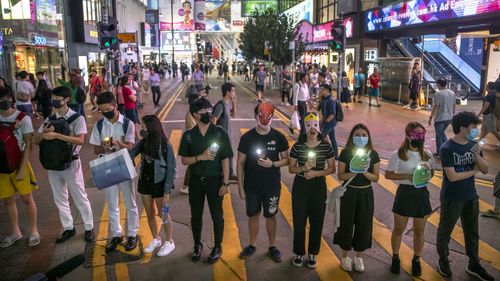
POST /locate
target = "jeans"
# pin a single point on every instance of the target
(468, 212)
(440, 128)
(156, 95)
(329, 130)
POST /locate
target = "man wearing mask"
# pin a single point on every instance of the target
(206, 149)
(261, 153)
(112, 133)
(72, 178)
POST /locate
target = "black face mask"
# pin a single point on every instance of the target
(5, 104)
(205, 118)
(417, 143)
(109, 115)
(57, 103)
(143, 133)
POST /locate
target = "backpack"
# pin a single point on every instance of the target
(126, 121)
(57, 155)
(10, 153)
(80, 95)
(339, 112)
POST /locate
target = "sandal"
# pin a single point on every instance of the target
(34, 240)
(10, 240)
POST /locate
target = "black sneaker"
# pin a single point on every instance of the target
(247, 252)
(311, 261)
(444, 267)
(274, 254)
(416, 269)
(131, 243)
(298, 260)
(89, 235)
(111, 246)
(395, 266)
(65, 235)
(479, 272)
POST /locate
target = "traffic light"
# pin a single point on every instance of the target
(337, 33)
(108, 34)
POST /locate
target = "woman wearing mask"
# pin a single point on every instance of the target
(311, 159)
(412, 166)
(156, 180)
(357, 203)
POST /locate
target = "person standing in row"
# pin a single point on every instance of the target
(300, 98)
(154, 80)
(156, 181)
(206, 150)
(357, 203)
(359, 83)
(443, 110)
(261, 153)
(71, 178)
(311, 159)
(121, 131)
(374, 80)
(411, 201)
(462, 159)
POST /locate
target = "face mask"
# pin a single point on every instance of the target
(57, 103)
(360, 142)
(265, 114)
(416, 143)
(417, 137)
(474, 133)
(205, 118)
(144, 133)
(109, 115)
(5, 104)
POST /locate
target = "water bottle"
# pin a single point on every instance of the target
(164, 212)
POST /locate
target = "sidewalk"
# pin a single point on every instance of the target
(386, 124)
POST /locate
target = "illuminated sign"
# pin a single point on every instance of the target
(424, 11)
(38, 39)
(322, 32)
(250, 7)
(93, 33)
(127, 37)
(301, 11)
(371, 54)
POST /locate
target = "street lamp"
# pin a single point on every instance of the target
(172, 20)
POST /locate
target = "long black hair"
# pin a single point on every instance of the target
(350, 144)
(155, 136)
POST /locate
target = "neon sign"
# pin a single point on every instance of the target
(39, 40)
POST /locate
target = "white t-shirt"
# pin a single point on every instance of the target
(24, 86)
(26, 127)
(115, 130)
(445, 99)
(407, 167)
(77, 127)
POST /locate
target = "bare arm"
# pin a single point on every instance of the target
(241, 173)
(454, 176)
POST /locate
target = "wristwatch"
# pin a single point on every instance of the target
(273, 165)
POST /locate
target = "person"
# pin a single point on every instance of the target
(300, 98)
(219, 71)
(489, 124)
(71, 178)
(311, 159)
(73, 86)
(345, 95)
(96, 88)
(198, 77)
(411, 201)
(222, 116)
(22, 180)
(329, 112)
(145, 80)
(374, 80)
(130, 107)
(24, 91)
(442, 113)
(154, 80)
(44, 96)
(206, 149)
(175, 68)
(314, 89)
(414, 87)
(359, 82)
(126, 67)
(119, 96)
(357, 203)
(287, 87)
(495, 212)
(225, 70)
(260, 81)
(462, 159)
(122, 134)
(134, 85)
(156, 181)
(261, 153)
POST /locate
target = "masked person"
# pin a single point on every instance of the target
(357, 203)
(206, 150)
(462, 159)
(261, 153)
(411, 201)
(311, 159)
(121, 131)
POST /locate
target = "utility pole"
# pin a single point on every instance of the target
(104, 18)
(341, 56)
(172, 20)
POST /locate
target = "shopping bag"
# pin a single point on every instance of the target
(295, 121)
(112, 169)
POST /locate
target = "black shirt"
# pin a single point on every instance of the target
(491, 98)
(323, 152)
(272, 144)
(359, 180)
(193, 143)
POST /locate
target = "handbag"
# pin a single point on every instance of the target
(294, 121)
(112, 169)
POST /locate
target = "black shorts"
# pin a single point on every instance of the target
(156, 190)
(257, 199)
(412, 202)
(413, 95)
(259, 88)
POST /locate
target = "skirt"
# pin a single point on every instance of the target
(412, 202)
(345, 96)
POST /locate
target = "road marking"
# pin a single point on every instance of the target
(98, 257)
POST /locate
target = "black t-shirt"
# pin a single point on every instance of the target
(272, 145)
(359, 180)
(491, 98)
(323, 152)
(193, 143)
(460, 158)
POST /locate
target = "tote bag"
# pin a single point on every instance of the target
(112, 169)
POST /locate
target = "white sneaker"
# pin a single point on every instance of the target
(358, 264)
(166, 249)
(282, 104)
(287, 104)
(152, 246)
(347, 264)
(185, 190)
(406, 106)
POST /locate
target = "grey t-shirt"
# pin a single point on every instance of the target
(222, 112)
(445, 99)
(261, 77)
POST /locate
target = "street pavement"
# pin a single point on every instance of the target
(386, 124)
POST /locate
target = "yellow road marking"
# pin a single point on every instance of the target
(175, 140)
(98, 258)
(121, 271)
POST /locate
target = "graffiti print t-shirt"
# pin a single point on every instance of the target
(461, 159)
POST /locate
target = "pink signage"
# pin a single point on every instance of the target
(322, 32)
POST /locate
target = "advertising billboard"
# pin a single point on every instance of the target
(322, 32)
(183, 17)
(16, 10)
(237, 21)
(301, 11)
(415, 12)
(250, 7)
(199, 15)
(218, 16)
(182, 41)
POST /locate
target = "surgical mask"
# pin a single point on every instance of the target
(474, 133)
(144, 133)
(109, 114)
(57, 103)
(205, 118)
(360, 142)
(5, 104)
